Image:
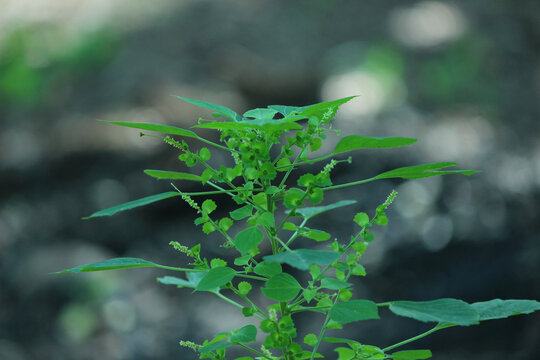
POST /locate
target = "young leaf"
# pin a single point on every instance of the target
(309, 212)
(171, 130)
(242, 213)
(422, 171)
(353, 142)
(245, 334)
(411, 355)
(133, 204)
(303, 258)
(215, 278)
(282, 287)
(172, 175)
(361, 219)
(334, 284)
(208, 206)
(267, 268)
(500, 309)
(354, 310)
(451, 311)
(248, 239)
(222, 110)
(111, 264)
(260, 113)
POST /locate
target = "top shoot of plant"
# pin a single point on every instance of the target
(269, 145)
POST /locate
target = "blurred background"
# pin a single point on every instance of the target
(462, 76)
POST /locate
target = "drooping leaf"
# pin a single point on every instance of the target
(171, 130)
(412, 355)
(354, 142)
(222, 110)
(268, 268)
(500, 309)
(215, 278)
(245, 334)
(354, 310)
(286, 110)
(193, 279)
(422, 171)
(309, 212)
(282, 287)
(451, 311)
(171, 175)
(248, 239)
(111, 264)
(133, 204)
(303, 258)
(259, 124)
(260, 113)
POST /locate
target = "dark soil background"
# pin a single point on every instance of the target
(462, 76)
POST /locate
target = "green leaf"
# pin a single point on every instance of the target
(337, 340)
(172, 175)
(282, 287)
(208, 206)
(193, 279)
(500, 309)
(259, 124)
(171, 130)
(303, 258)
(133, 204)
(317, 235)
(354, 142)
(361, 219)
(260, 113)
(248, 239)
(214, 346)
(422, 171)
(111, 264)
(324, 111)
(334, 284)
(354, 310)
(411, 355)
(310, 339)
(266, 219)
(245, 334)
(451, 311)
(345, 353)
(242, 213)
(222, 110)
(293, 198)
(267, 268)
(244, 287)
(309, 212)
(204, 154)
(286, 110)
(215, 278)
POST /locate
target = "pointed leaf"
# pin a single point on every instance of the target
(215, 278)
(222, 110)
(267, 268)
(451, 311)
(259, 124)
(412, 355)
(354, 142)
(286, 110)
(260, 113)
(111, 264)
(500, 309)
(309, 212)
(248, 239)
(133, 204)
(303, 258)
(245, 334)
(282, 287)
(422, 171)
(171, 130)
(324, 110)
(171, 175)
(354, 310)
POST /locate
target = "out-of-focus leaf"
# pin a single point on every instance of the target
(171, 175)
(133, 204)
(500, 309)
(111, 264)
(354, 142)
(222, 110)
(171, 130)
(451, 311)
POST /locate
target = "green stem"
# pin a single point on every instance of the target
(179, 269)
(214, 144)
(232, 302)
(292, 167)
(348, 184)
(404, 342)
(254, 351)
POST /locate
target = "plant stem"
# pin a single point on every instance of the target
(235, 303)
(254, 351)
(404, 342)
(179, 269)
(348, 184)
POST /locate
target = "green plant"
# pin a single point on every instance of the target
(267, 145)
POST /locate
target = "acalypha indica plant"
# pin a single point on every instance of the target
(275, 202)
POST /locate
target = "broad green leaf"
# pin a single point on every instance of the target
(222, 110)
(282, 287)
(266, 219)
(422, 171)
(354, 142)
(268, 269)
(309, 212)
(242, 213)
(172, 175)
(245, 334)
(324, 110)
(260, 124)
(334, 284)
(260, 113)
(171, 130)
(215, 278)
(208, 206)
(354, 310)
(317, 235)
(133, 204)
(412, 355)
(286, 110)
(111, 264)
(451, 311)
(345, 353)
(248, 239)
(303, 258)
(214, 346)
(193, 279)
(500, 309)
(361, 219)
